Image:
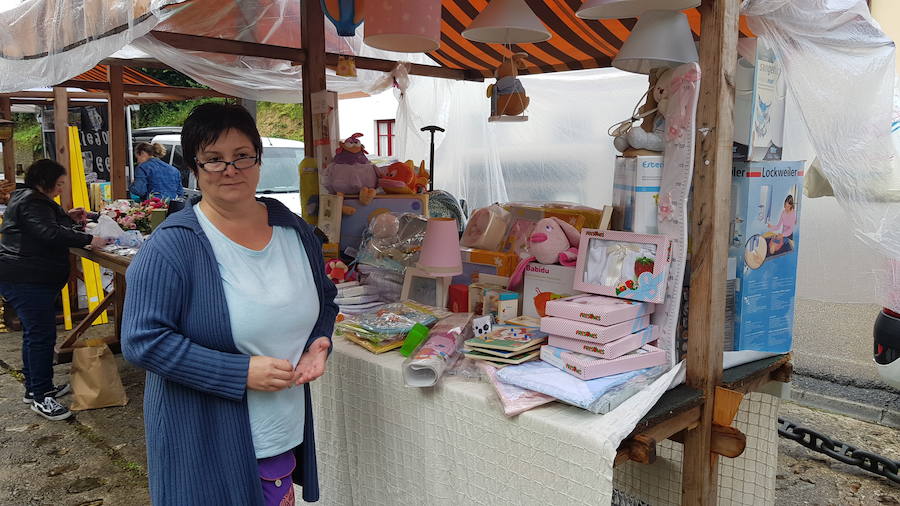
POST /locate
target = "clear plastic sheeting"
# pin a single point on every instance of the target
(45, 42)
(839, 67)
(562, 153)
(275, 22)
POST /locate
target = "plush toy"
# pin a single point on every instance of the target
(552, 241)
(404, 178)
(507, 95)
(338, 272)
(351, 171)
(651, 134)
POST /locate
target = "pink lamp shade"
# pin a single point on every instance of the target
(405, 26)
(440, 254)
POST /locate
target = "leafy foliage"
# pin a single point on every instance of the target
(28, 133)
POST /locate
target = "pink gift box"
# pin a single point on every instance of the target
(623, 264)
(610, 350)
(598, 309)
(592, 332)
(588, 368)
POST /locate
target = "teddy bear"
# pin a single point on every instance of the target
(552, 241)
(651, 134)
(507, 95)
(351, 171)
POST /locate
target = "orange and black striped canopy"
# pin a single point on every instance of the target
(574, 44)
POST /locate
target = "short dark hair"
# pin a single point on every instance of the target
(43, 174)
(208, 121)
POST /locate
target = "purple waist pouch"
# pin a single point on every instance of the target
(275, 477)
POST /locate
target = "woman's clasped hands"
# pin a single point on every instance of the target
(272, 374)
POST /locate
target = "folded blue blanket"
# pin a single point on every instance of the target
(600, 395)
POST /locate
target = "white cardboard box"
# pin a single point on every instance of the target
(759, 103)
(636, 192)
(540, 278)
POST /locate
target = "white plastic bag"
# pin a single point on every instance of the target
(107, 228)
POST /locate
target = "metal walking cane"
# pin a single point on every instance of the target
(432, 129)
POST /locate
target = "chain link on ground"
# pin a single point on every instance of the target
(842, 452)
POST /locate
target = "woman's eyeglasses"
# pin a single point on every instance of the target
(244, 162)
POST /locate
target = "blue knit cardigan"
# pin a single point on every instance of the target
(176, 326)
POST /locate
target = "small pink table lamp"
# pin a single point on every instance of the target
(440, 254)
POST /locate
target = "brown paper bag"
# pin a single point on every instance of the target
(95, 379)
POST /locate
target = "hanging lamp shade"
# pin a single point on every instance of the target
(506, 22)
(658, 39)
(618, 9)
(404, 26)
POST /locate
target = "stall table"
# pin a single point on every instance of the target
(114, 297)
(380, 442)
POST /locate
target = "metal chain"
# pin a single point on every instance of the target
(839, 451)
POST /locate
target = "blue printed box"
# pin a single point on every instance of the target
(762, 258)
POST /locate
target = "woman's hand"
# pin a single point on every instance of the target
(312, 363)
(99, 242)
(78, 215)
(269, 374)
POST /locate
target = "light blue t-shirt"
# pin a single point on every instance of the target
(273, 305)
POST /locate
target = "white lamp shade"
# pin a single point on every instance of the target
(404, 26)
(618, 9)
(659, 39)
(506, 22)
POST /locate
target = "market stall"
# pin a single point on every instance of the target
(371, 422)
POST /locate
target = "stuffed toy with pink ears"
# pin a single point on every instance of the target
(552, 241)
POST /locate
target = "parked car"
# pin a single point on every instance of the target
(279, 177)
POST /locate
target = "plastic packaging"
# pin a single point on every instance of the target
(439, 352)
(513, 399)
(107, 228)
(391, 246)
(487, 228)
(599, 396)
(389, 321)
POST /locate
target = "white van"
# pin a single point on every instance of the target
(279, 177)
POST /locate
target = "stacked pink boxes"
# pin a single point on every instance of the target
(592, 336)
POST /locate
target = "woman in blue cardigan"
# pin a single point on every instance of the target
(229, 310)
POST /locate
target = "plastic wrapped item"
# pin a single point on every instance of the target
(390, 320)
(465, 369)
(439, 352)
(487, 228)
(393, 244)
(106, 227)
(387, 282)
(514, 400)
(130, 239)
(599, 396)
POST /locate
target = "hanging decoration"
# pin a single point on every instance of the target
(404, 26)
(619, 9)
(508, 98)
(346, 15)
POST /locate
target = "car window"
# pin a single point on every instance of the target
(279, 173)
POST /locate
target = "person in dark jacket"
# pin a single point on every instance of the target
(34, 266)
(229, 310)
(154, 177)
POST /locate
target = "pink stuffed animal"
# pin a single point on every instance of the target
(552, 241)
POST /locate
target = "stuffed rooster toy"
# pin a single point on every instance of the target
(351, 172)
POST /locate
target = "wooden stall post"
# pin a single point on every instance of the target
(9, 148)
(117, 129)
(710, 208)
(61, 134)
(312, 39)
(117, 164)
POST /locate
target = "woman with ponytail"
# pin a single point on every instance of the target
(154, 177)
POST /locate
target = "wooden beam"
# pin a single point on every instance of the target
(61, 135)
(725, 441)
(9, 147)
(49, 102)
(710, 214)
(117, 131)
(417, 69)
(49, 94)
(312, 38)
(182, 91)
(149, 63)
(235, 47)
(632, 447)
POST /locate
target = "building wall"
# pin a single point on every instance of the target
(359, 115)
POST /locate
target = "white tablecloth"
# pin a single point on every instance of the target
(382, 443)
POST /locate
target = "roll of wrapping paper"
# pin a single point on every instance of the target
(439, 352)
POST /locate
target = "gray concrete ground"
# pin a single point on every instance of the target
(834, 342)
(98, 458)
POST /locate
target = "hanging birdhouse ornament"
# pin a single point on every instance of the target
(508, 98)
(346, 15)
